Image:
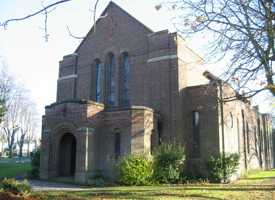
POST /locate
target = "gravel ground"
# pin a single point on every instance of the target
(38, 185)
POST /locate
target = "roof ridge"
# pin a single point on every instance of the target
(111, 3)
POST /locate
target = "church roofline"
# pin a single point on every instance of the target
(131, 16)
(212, 77)
(102, 14)
(187, 46)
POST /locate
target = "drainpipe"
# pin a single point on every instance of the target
(222, 124)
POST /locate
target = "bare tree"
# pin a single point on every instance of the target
(2, 142)
(2, 109)
(11, 119)
(6, 83)
(5, 87)
(243, 30)
(27, 123)
(31, 136)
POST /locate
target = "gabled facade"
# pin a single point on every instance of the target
(127, 89)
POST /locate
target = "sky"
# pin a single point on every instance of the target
(34, 62)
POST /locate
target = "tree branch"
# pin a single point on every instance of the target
(5, 23)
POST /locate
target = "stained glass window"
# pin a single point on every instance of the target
(98, 81)
(125, 79)
(111, 82)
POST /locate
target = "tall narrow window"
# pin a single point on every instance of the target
(247, 138)
(238, 132)
(111, 81)
(260, 141)
(125, 79)
(159, 131)
(255, 140)
(244, 140)
(98, 66)
(117, 145)
(196, 133)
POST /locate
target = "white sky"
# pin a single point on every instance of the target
(35, 62)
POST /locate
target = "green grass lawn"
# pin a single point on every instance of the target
(9, 168)
(258, 185)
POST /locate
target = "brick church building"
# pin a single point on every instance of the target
(127, 89)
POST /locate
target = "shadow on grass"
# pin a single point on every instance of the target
(258, 178)
(143, 195)
(252, 188)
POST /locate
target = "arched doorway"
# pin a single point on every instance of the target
(67, 155)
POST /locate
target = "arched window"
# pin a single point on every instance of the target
(125, 71)
(117, 145)
(111, 80)
(196, 133)
(99, 70)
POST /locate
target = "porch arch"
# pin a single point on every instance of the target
(67, 155)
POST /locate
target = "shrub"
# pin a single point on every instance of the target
(15, 187)
(135, 170)
(220, 169)
(168, 163)
(35, 163)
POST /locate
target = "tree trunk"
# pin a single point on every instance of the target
(28, 149)
(10, 151)
(21, 150)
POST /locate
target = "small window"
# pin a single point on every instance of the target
(196, 132)
(117, 145)
(159, 131)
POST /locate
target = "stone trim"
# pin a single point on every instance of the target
(114, 109)
(76, 101)
(158, 33)
(89, 130)
(160, 58)
(67, 77)
(70, 55)
(67, 66)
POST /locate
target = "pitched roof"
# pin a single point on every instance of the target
(111, 4)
